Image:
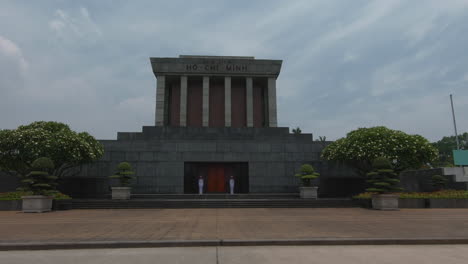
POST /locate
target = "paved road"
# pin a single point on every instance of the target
(446, 254)
(245, 224)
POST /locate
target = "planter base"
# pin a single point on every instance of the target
(308, 192)
(37, 204)
(448, 203)
(121, 193)
(386, 202)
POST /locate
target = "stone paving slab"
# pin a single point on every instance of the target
(267, 224)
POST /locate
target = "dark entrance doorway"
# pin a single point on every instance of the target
(216, 176)
(215, 180)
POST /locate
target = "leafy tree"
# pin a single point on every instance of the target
(360, 147)
(297, 130)
(307, 174)
(124, 174)
(446, 145)
(20, 147)
(383, 178)
(38, 181)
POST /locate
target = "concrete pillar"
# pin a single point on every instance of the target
(206, 101)
(183, 101)
(227, 101)
(160, 97)
(249, 101)
(272, 118)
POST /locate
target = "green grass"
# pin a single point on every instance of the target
(10, 196)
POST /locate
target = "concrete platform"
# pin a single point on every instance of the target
(229, 227)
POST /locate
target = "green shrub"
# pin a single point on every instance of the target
(38, 181)
(445, 194)
(9, 196)
(124, 174)
(439, 182)
(307, 174)
(382, 179)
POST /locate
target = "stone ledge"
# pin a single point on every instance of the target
(229, 243)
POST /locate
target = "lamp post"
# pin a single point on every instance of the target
(454, 123)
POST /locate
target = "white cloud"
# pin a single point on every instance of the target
(77, 25)
(10, 50)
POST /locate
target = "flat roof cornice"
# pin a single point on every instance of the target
(215, 65)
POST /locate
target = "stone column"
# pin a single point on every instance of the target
(272, 119)
(249, 101)
(160, 91)
(183, 101)
(227, 101)
(206, 101)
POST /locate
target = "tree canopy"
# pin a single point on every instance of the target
(446, 145)
(360, 147)
(20, 147)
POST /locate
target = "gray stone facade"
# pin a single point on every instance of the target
(158, 155)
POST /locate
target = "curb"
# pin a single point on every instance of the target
(227, 242)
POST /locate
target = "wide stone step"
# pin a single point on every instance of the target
(212, 203)
(218, 196)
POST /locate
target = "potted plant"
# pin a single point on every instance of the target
(41, 185)
(124, 175)
(307, 174)
(383, 181)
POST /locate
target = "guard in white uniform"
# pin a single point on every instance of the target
(231, 184)
(200, 185)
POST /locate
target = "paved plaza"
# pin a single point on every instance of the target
(242, 224)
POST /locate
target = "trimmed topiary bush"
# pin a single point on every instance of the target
(439, 182)
(124, 174)
(307, 174)
(38, 181)
(383, 179)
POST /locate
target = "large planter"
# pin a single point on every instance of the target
(385, 202)
(412, 203)
(448, 203)
(308, 192)
(121, 193)
(36, 203)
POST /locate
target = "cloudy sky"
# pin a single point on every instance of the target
(346, 64)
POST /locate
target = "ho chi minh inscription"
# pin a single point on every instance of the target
(215, 66)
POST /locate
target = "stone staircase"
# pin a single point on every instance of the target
(213, 201)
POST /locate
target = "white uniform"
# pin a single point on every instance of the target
(200, 186)
(231, 185)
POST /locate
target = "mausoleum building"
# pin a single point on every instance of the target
(215, 118)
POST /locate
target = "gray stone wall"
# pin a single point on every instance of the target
(420, 180)
(158, 155)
